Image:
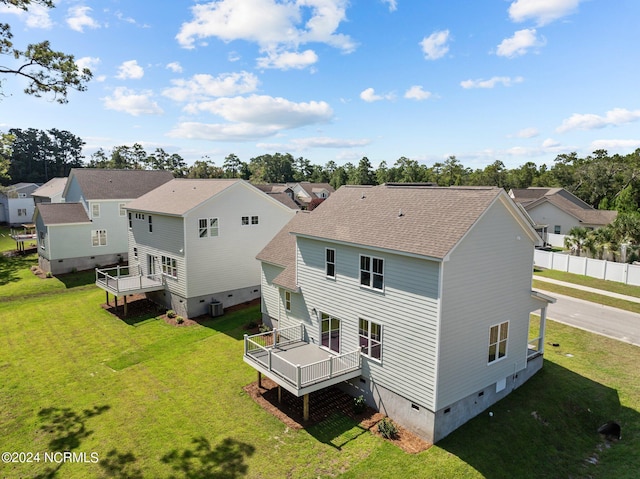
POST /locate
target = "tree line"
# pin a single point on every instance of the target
(604, 181)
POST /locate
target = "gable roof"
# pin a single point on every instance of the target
(107, 184)
(62, 213)
(421, 220)
(529, 198)
(179, 196)
(51, 188)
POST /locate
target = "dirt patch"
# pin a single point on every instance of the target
(322, 405)
(39, 273)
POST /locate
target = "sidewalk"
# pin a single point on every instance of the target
(633, 299)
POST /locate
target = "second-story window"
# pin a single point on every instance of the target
(330, 263)
(121, 209)
(95, 210)
(150, 224)
(287, 300)
(372, 272)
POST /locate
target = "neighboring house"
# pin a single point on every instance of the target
(16, 204)
(281, 192)
(304, 192)
(555, 210)
(50, 192)
(418, 298)
(199, 238)
(90, 227)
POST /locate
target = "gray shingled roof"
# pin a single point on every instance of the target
(106, 184)
(62, 213)
(51, 188)
(179, 196)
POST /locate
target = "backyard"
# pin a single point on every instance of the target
(143, 398)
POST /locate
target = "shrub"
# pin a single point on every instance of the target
(171, 314)
(49, 274)
(387, 428)
(251, 325)
(74, 270)
(359, 405)
(179, 319)
(263, 328)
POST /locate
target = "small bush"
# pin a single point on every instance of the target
(263, 328)
(179, 319)
(171, 314)
(251, 325)
(49, 274)
(74, 270)
(387, 428)
(359, 405)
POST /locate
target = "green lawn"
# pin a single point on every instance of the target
(158, 401)
(612, 286)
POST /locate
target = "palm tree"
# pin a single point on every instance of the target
(607, 242)
(576, 239)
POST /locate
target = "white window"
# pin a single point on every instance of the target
(245, 220)
(372, 272)
(140, 216)
(95, 210)
(287, 300)
(498, 336)
(121, 208)
(99, 237)
(330, 263)
(254, 220)
(207, 227)
(370, 338)
(41, 239)
(169, 267)
(22, 195)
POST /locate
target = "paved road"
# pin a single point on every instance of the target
(605, 320)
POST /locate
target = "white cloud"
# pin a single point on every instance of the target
(205, 86)
(541, 11)
(590, 121)
(527, 133)
(416, 92)
(618, 145)
(78, 18)
(519, 43)
(175, 67)
(36, 17)
(491, 83)
(393, 5)
(369, 95)
(273, 112)
(435, 45)
(274, 26)
(88, 62)
(130, 69)
(222, 132)
(314, 142)
(288, 60)
(128, 101)
(550, 143)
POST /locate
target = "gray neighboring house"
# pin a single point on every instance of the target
(555, 210)
(16, 204)
(90, 227)
(50, 192)
(197, 239)
(418, 298)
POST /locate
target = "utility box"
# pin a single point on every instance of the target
(216, 309)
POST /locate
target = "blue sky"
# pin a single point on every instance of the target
(509, 80)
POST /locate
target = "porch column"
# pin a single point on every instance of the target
(305, 407)
(543, 322)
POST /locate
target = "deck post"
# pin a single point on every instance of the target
(116, 299)
(275, 337)
(107, 293)
(259, 380)
(279, 394)
(125, 304)
(245, 345)
(298, 375)
(305, 407)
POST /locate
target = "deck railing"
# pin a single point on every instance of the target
(119, 280)
(534, 347)
(259, 348)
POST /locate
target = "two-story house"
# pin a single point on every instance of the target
(90, 227)
(16, 204)
(416, 297)
(51, 191)
(199, 239)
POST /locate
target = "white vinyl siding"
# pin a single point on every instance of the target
(407, 312)
(477, 296)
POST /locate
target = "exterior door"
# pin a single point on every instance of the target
(151, 265)
(330, 332)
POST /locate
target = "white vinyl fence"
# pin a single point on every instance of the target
(596, 268)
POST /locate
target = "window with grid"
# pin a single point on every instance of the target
(498, 336)
(287, 300)
(254, 220)
(330, 263)
(22, 212)
(245, 220)
(372, 272)
(121, 208)
(99, 237)
(370, 334)
(95, 210)
(169, 266)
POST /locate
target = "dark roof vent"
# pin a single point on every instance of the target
(400, 213)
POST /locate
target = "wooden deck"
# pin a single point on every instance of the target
(118, 284)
